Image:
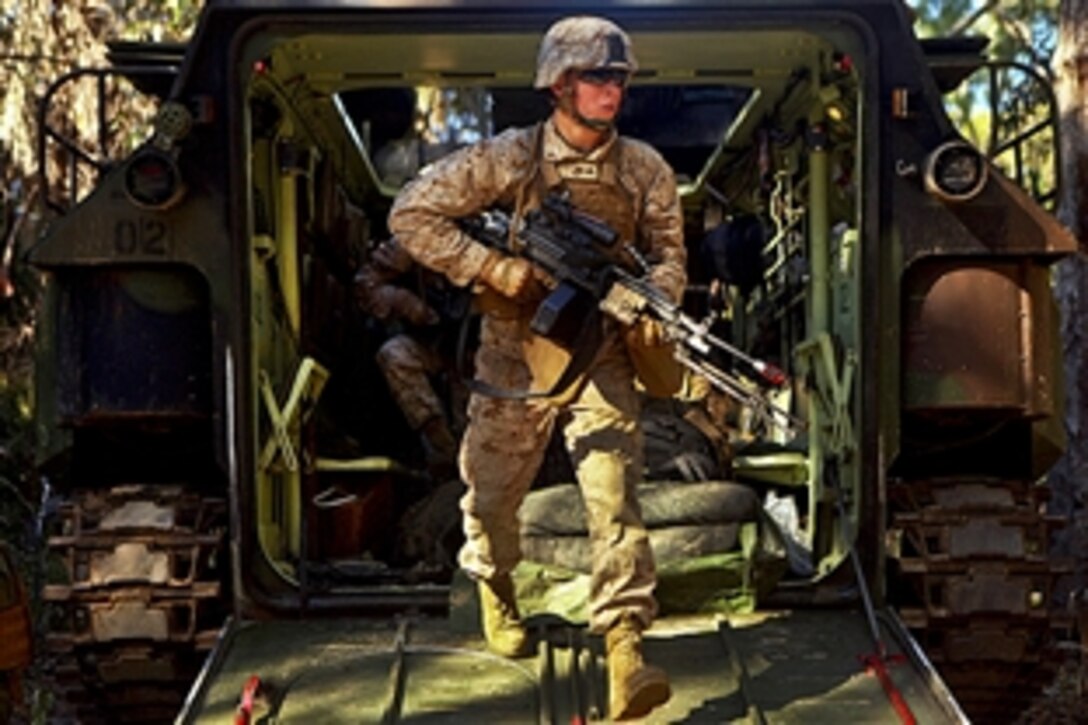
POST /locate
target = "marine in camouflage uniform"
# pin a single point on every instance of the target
(629, 185)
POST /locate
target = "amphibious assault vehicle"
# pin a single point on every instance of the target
(236, 496)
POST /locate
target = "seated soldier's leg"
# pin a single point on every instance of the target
(500, 454)
(406, 364)
(605, 447)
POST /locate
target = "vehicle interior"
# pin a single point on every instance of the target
(764, 128)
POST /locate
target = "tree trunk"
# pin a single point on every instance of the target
(1069, 478)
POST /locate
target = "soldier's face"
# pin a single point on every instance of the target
(597, 95)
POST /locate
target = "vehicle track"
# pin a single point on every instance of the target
(976, 583)
(141, 603)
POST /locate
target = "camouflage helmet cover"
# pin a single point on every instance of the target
(580, 43)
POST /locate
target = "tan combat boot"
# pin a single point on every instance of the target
(634, 687)
(503, 629)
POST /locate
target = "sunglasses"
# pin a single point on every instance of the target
(604, 76)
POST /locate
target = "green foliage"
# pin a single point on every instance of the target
(1021, 30)
(41, 41)
(155, 20)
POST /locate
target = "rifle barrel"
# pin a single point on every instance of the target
(696, 334)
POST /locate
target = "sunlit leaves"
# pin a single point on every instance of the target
(44, 39)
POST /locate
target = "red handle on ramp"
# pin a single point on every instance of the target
(878, 666)
(244, 714)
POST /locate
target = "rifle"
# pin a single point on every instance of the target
(594, 269)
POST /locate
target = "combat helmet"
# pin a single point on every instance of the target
(582, 42)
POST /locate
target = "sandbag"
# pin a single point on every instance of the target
(730, 581)
(429, 532)
(715, 548)
(675, 543)
(560, 510)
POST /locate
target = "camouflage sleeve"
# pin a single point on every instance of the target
(661, 225)
(463, 183)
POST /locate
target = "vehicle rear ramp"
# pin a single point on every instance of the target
(782, 667)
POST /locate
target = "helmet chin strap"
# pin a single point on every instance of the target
(593, 123)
